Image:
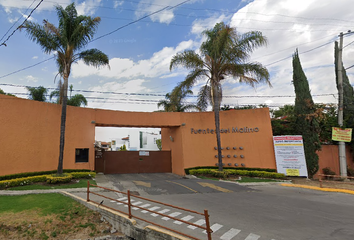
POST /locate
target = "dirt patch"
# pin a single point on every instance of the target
(325, 183)
(81, 223)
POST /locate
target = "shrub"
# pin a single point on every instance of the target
(236, 172)
(328, 171)
(54, 178)
(187, 170)
(350, 172)
(76, 175)
(29, 174)
(22, 181)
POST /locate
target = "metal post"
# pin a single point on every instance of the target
(88, 191)
(208, 230)
(129, 206)
(341, 146)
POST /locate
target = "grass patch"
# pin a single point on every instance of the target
(45, 216)
(44, 203)
(81, 184)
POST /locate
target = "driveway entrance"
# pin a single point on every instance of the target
(112, 162)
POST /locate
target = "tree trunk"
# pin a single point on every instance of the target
(216, 108)
(62, 124)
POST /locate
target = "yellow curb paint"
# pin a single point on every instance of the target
(318, 188)
(182, 186)
(214, 187)
(141, 183)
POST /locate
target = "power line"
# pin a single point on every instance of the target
(17, 21)
(4, 43)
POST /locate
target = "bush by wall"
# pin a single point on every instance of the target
(22, 181)
(235, 172)
(49, 178)
(28, 174)
(54, 178)
(187, 170)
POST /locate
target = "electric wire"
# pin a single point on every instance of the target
(18, 19)
(4, 43)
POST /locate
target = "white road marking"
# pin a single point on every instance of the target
(162, 211)
(144, 206)
(186, 218)
(151, 209)
(252, 236)
(121, 199)
(214, 227)
(175, 214)
(230, 234)
(136, 203)
(200, 222)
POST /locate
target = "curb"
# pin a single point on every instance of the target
(318, 188)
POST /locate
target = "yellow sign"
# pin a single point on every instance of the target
(342, 135)
(292, 172)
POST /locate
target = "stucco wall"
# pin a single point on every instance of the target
(29, 139)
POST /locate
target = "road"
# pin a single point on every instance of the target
(238, 212)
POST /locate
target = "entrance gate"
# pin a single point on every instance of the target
(111, 162)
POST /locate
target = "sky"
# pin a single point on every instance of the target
(140, 52)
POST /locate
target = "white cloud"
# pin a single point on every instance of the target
(118, 3)
(30, 78)
(199, 25)
(35, 57)
(87, 7)
(146, 7)
(157, 65)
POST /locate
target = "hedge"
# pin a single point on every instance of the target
(236, 172)
(187, 170)
(29, 174)
(22, 181)
(52, 179)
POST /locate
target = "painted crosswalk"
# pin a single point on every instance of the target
(219, 231)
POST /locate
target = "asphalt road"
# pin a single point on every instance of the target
(239, 212)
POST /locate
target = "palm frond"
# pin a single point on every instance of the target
(188, 59)
(93, 57)
(204, 97)
(77, 100)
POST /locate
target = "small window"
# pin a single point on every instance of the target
(81, 155)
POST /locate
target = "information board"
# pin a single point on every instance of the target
(342, 135)
(290, 155)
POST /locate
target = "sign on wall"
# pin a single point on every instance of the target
(144, 153)
(342, 135)
(290, 155)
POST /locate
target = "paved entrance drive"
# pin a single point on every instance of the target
(262, 212)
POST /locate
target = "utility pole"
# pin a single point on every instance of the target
(341, 146)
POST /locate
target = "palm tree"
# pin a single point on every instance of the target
(223, 54)
(73, 33)
(77, 100)
(37, 93)
(174, 102)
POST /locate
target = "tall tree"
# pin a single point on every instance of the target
(77, 100)
(38, 93)
(73, 33)
(175, 102)
(306, 123)
(225, 53)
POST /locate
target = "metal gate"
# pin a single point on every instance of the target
(111, 162)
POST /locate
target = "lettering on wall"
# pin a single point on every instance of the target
(225, 130)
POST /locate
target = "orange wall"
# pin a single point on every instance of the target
(30, 135)
(328, 157)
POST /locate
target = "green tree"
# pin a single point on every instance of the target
(38, 93)
(223, 54)
(123, 148)
(159, 144)
(77, 100)
(174, 102)
(306, 123)
(73, 33)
